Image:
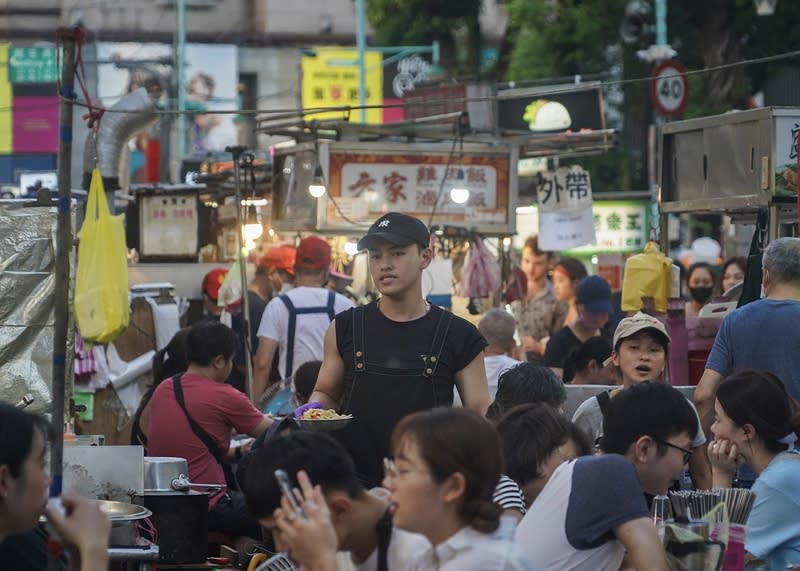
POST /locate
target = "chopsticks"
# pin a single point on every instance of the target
(697, 503)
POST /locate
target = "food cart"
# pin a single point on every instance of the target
(733, 164)
(736, 164)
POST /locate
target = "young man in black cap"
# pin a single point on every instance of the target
(399, 354)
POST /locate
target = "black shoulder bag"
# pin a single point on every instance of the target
(204, 436)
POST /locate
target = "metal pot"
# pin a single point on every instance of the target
(160, 471)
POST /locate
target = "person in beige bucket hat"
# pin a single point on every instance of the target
(640, 349)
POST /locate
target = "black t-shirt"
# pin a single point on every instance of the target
(27, 552)
(558, 349)
(406, 367)
(401, 345)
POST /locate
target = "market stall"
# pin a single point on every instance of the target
(742, 164)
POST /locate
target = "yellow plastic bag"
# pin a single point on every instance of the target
(101, 285)
(647, 275)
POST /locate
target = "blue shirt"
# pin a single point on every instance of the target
(760, 335)
(773, 528)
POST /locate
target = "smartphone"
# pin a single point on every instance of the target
(286, 487)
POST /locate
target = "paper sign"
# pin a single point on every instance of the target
(564, 230)
(566, 219)
(568, 188)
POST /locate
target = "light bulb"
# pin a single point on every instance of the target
(459, 195)
(351, 248)
(317, 186)
(252, 232)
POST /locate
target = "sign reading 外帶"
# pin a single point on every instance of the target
(565, 209)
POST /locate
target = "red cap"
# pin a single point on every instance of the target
(212, 282)
(279, 258)
(313, 253)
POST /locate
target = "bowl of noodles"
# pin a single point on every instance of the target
(323, 419)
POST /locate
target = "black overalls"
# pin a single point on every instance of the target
(379, 395)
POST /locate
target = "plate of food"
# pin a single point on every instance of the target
(323, 419)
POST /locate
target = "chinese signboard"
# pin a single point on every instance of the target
(32, 65)
(364, 183)
(330, 79)
(565, 209)
(168, 225)
(620, 227)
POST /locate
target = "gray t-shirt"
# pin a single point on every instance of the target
(589, 418)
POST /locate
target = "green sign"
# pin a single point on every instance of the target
(620, 226)
(32, 65)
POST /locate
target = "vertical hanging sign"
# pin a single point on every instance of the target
(565, 209)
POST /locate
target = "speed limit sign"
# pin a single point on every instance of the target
(669, 88)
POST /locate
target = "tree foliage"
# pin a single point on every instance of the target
(420, 22)
(556, 38)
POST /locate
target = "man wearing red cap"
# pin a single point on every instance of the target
(274, 275)
(295, 322)
(212, 282)
(277, 268)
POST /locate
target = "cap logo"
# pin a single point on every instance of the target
(383, 223)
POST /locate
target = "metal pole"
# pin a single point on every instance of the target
(63, 249)
(248, 363)
(661, 39)
(361, 45)
(180, 64)
(661, 22)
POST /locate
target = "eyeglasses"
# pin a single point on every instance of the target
(687, 454)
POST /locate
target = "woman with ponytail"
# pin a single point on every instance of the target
(446, 465)
(167, 362)
(757, 423)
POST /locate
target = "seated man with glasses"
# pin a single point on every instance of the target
(594, 509)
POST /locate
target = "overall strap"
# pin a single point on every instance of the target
(359, 360)
(437, 345)
(204, 436)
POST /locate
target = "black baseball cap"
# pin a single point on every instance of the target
(594, 293)
(397, 229)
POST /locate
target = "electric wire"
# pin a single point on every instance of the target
(345, 109)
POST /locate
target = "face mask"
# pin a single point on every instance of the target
(700, 294)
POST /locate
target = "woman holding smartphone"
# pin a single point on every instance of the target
(446, 465)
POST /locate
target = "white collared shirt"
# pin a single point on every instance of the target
(471, 550)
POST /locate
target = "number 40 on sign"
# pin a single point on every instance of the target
(669, 88)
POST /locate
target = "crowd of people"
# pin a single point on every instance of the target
(506, 481)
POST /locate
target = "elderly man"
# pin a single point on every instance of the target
(762, 334)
